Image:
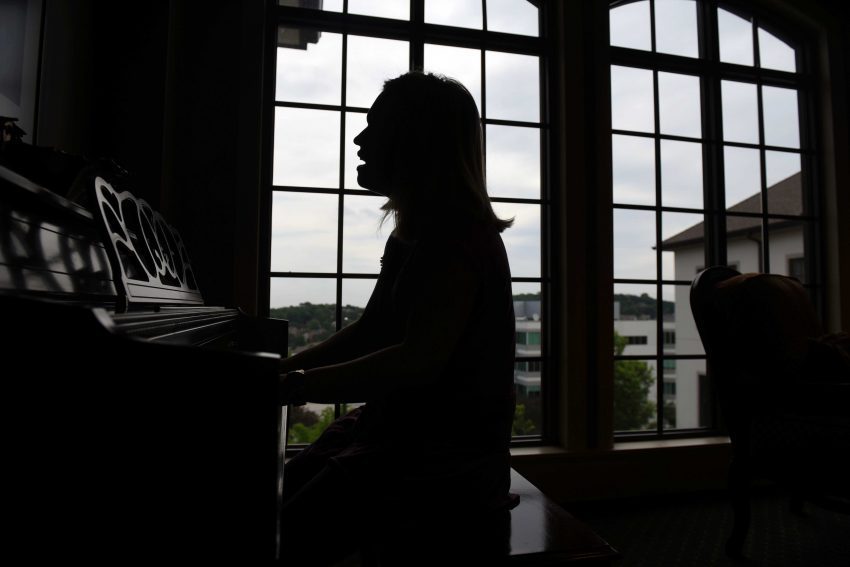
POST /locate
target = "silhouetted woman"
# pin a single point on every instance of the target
(432, 355)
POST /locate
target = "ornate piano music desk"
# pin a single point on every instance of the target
(141, 424)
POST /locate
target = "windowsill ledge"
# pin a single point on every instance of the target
(555, 452)
(629, 468)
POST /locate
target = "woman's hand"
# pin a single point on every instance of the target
(291, 388)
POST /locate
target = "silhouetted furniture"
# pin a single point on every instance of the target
(782, 386)
(141, 423)
(543, 533)
(536, 532)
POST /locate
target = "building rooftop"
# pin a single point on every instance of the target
(784, 197)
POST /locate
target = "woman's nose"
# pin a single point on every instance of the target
(358, 139)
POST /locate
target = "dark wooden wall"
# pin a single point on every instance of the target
(170, 90)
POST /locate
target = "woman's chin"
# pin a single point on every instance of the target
(366, 183)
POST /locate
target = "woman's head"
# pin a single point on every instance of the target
(423, 149)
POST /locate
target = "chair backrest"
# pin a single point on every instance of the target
(755, 329)
(761, 322)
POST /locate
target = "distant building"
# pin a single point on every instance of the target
(527, 373)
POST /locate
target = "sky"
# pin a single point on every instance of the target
(306, 141)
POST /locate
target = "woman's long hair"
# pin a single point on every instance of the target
(438, 171)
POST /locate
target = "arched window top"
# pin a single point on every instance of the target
(507, 16)
(676, 32)
(520, 17)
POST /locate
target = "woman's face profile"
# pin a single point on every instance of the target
(376, 148)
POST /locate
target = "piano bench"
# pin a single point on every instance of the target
(537, 532)
(543, 533)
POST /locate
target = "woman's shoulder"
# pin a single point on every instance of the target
(471, 243)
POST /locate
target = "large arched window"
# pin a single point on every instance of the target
(324, 238)
(712, 163)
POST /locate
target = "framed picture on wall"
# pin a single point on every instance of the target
(20, 44)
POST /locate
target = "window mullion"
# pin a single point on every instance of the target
(659, 311)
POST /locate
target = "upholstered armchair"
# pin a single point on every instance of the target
(783, 388)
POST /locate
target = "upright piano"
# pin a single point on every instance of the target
(141, 424)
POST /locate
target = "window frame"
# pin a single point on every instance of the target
(417, 33)
(711, 72)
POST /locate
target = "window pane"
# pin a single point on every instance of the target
(458, 13)
(328, 5)
(676, 27)
(740, 112)
(372, 61)
(355, 122)
(513, 86)
(743, 243)
(781, 121)
(528, 312)
(522, 240)
(788, 249)
(634, 393)
(679, 104)
(311, 72)
(775, 53)
(513, 162)
(512, 16)
(306, 148)
(528, 328)
(691, 404)
(527, 309)
(630, 26)
(395, 10)
(634, 170)
(458, 63)
(363, 239)
(309, 304)
(632, 106)
(682, 320)
(683, 245)
(304, 230)
(527, 291)
(784, 187)
(681, 174)
(634, 242)
(736, 38)
(355, 296)
(742, 175)
(528, 418)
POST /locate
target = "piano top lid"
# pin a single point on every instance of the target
(149, 261)
(29, 190)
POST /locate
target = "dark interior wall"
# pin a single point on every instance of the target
(211, 150)
(103, 85)
(170, 91)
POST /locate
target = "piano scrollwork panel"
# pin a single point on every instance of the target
(144, 249)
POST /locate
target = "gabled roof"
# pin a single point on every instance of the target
(784, 197)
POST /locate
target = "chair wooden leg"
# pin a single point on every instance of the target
(739, 492)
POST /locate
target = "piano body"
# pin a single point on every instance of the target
(141, 423)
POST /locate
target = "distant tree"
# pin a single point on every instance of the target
(642, 306)
(522, 425)
(311, 323)
(527, 297)
(632, 380)
(299, 432)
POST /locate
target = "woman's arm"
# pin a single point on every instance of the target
(435, 326)
(347, 343)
